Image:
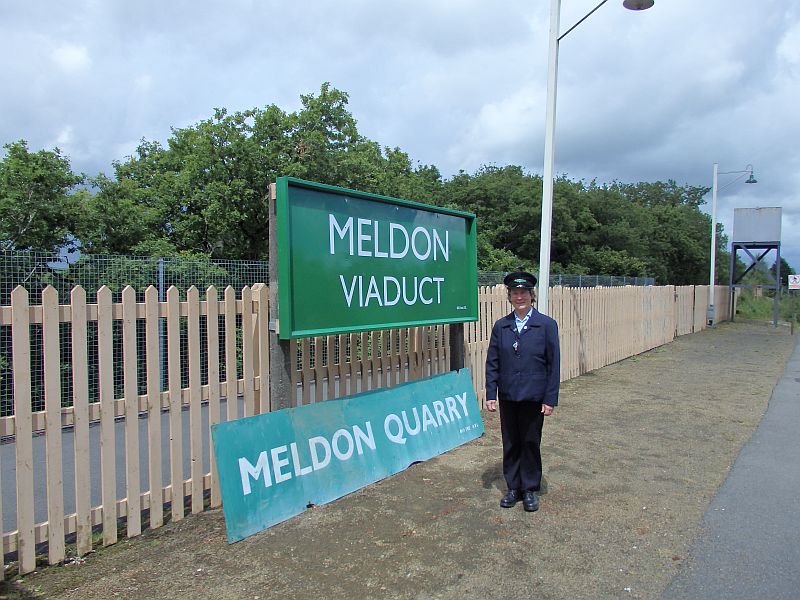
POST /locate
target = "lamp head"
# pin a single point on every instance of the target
(751, 179)
(638, 4)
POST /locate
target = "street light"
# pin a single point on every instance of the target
(549, 137)
(712, 271)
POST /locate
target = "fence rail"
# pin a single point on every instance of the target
(129, 450)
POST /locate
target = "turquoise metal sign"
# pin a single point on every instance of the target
(351, 261)
(273, 466)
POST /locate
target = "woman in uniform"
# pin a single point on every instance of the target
(522, 377)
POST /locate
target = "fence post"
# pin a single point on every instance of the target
(456, 346)
(21, 361)
(281, 362)
(162, 328)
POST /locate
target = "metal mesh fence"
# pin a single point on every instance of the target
(495, 277)
(36, 271)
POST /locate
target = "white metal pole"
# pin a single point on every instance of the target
(549, 158)
(711, 276)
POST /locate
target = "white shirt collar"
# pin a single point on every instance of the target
(525, 318)
(521, 322)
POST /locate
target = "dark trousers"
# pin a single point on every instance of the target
(521, 426)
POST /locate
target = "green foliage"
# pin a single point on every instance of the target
(121, 271)
(786, 269)
(122, 218)
(507, 203)
(499, 259)
(760, 273)
(605, 260)
(37, 210)
(645, 229)
(750, 306)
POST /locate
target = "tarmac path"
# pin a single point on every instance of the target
(750, 547)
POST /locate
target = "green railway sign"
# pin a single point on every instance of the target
(351, 261)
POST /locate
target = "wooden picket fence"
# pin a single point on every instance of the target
(597, 326)
(602, 325)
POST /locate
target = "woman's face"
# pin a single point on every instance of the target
(520, 298)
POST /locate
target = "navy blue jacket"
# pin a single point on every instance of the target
(532, 371)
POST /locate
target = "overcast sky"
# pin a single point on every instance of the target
(654, 95)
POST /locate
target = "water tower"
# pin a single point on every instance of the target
(756, 232)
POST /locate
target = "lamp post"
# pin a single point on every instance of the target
(550, 133)
(713, 268)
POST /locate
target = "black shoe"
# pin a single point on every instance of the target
(510, 499)
(529, 501)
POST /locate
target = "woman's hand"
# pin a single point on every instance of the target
(491, 405)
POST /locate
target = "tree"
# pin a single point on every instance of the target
(675, 231)
(659, 193)
(206, 190)
(118, 219)
(507, 204)
(38, 203)
(786, 269)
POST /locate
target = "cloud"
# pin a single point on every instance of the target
(789, 48)
(71, 58)
(143, 83)
(64, 137)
